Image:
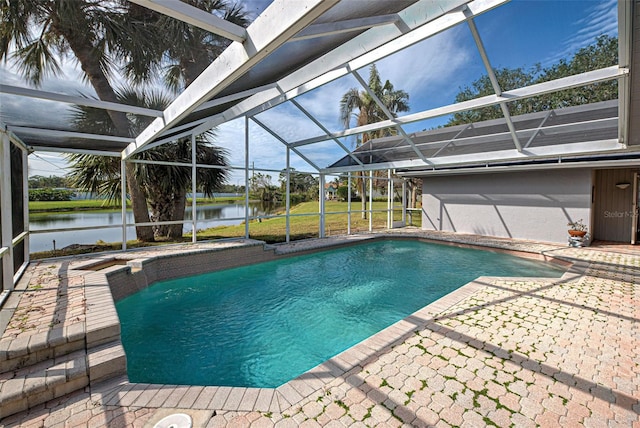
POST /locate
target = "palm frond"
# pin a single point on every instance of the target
(102, 175)
(368, 110)
(133, 41)
(16, 20)
(236, 14)
(350, 101)
(97, 174)
(173, 78)
(37, 61)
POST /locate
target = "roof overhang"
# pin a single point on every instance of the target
(612, 160)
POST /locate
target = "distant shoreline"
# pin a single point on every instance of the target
(100, 205)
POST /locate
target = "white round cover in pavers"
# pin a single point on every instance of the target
(177, 420)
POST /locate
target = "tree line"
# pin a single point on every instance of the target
(603, 53)
(52, 181)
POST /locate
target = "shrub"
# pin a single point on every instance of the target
(343, 193)
(297, 198)
(48, 194)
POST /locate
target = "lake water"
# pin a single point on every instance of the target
(207, 216)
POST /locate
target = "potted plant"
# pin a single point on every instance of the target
(577, 228)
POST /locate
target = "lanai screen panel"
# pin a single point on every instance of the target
(592, 123)
(550, 116)
(302, 49)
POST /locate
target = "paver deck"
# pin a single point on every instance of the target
(499, 351)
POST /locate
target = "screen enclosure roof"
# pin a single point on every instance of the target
(297, 46)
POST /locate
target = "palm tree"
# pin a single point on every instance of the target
(42, 31)
(179, 51)
(363, 107)
(165, 187)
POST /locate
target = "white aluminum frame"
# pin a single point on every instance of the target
(595, 76)
(625, 34)
(196, 17)
(349, 25)
(70, 134)
(389, 115)
(422, 20)
(492, 77)
(8, 242)
(6, 212)
(540, 151)
(281, 21)
(81, 101)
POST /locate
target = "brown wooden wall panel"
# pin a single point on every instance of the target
(613, 206)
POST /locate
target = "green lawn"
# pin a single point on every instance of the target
(307, 226)
(272, 230)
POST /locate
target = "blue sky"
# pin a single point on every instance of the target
(518, 34)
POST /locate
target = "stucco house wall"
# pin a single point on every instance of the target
(532, 205)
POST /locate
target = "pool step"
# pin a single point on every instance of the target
(23, 388)
(28, 350)
(41, 382)
(38, 367)
(106, 361)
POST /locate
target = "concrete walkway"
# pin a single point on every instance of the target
(498, 352)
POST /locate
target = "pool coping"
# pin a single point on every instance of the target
(120, 391)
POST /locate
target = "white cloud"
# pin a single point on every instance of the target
(21, 111)
(289, 123)
(69, 81)
(324, 103)
(601, 19)
(428, 65)
(47, 164)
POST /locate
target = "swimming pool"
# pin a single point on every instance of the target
(264, 324)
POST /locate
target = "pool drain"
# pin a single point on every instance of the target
(177, 420)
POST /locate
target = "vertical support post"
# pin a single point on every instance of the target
(404, 202)
(349, 203)
(288, 197)
(322, 208)
(389, 200)
(370, 200)
(25, 203)
(194, 213)
(246, 177)
(123, 201)
(6, 211)
(634, 210)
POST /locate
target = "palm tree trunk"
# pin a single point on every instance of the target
(414, 196)
(161, 210)
(168, 206)
(138, 205)
(88, 60)
(180, 202)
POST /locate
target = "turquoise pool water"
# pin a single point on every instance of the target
(265, 324)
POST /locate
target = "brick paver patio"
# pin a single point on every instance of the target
(502, 352)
